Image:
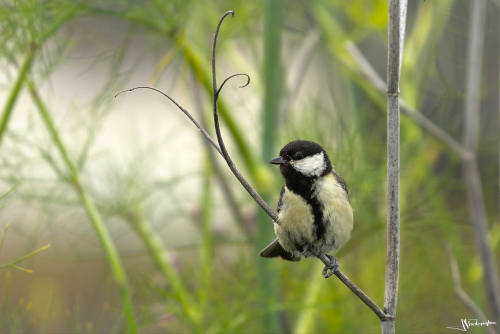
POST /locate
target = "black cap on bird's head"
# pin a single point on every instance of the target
(303, 158)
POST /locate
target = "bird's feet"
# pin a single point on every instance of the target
(307, 252)
(331, 267)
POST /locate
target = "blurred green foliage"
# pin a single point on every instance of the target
(188, 241)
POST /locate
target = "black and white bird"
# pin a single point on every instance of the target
(314, 213)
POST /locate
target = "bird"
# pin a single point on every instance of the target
(315, 216)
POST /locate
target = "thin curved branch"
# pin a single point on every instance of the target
(229, 78)
(191, 118)
(222, 146)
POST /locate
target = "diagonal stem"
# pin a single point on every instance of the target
(14, 93)
(369, 73)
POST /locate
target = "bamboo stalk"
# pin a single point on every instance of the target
(397, 18)
(88, 204)
(272, 76)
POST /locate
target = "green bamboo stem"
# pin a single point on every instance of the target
(107, 243)
(16, 89)
(269, 115)
(155, 248)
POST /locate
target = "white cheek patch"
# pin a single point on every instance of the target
(311, 166)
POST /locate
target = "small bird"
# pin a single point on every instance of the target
(314, 213)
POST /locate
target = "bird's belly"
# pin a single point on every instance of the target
(338, 220)
(337, 213)
(296, 223)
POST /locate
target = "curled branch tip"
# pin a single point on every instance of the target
(232, 76)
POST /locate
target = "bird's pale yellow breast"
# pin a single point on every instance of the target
(295, 220)
(337, 211)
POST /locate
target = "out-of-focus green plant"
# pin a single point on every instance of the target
(93, 214)
(212, 286)
(15, 263)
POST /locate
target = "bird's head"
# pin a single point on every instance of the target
(302, 158)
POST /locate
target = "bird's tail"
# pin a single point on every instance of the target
(274, 249)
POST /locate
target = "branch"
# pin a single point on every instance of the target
(397, 18)
(221, 148)
(191, 118)
(358, 292)
(466, 153)
(226, 190)
(461, 294)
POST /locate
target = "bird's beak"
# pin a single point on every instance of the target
(277, 161)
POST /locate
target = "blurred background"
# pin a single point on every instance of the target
(147, 227)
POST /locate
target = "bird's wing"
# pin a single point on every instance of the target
(274, 249)
(342, 183)
(280, 201)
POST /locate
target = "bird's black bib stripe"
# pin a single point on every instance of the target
(303, 188)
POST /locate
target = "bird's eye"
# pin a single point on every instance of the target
(298, 156)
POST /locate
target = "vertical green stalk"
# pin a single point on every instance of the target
(206, 235)
(14, 93)
(157, 251)
(119, 274)
(271, 103)
(272, 76)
